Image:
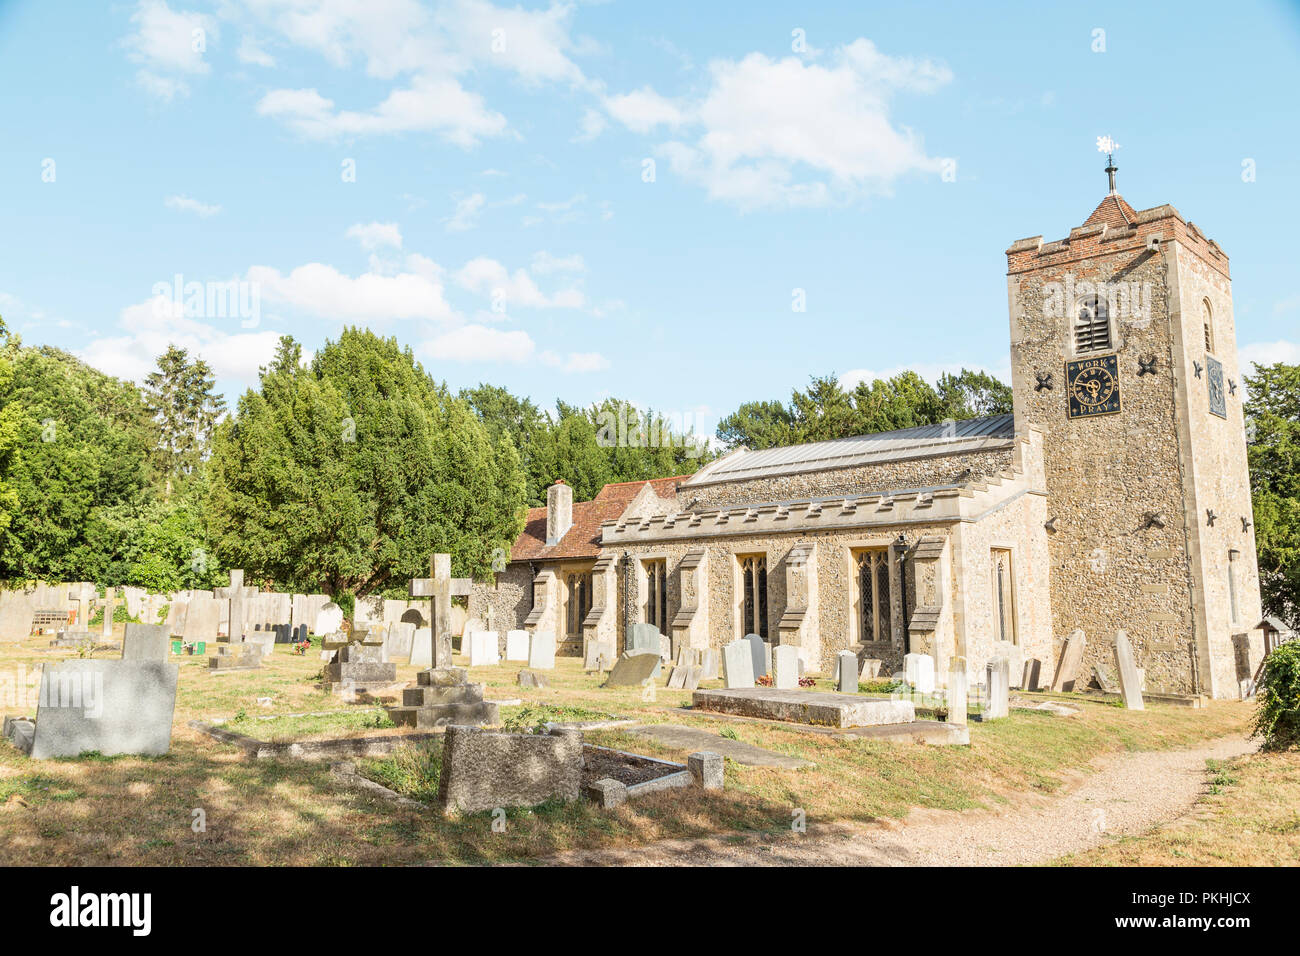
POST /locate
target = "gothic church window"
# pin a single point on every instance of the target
(1092, 325)
(656, 604)
(753, 571)
(874, 621)
(1004, 609)
(579, 602)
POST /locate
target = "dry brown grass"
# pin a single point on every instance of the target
(132, 810)
(1249, 816)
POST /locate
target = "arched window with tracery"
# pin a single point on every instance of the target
(579, 601)
(874, 611)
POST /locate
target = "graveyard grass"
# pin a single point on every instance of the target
(133, 810)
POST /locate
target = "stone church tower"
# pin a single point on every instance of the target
(1124, 355)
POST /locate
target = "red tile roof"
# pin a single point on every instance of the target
(583, 537)
(1114, 212)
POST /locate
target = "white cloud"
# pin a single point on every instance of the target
(593, 124)
(186, 204)
(489, 277)
(1267, 353)
(169, 45)
(533, 44)
(479, 343)
(644, 109)
(467, 213)
(322, 291)
(544, 263)
(792, 132)
(151, 326)
(429, 104)
(376, 235)
(250, 52)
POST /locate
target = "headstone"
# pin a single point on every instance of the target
(533, 679)
(201, 618)
(236, 607)
(113, 707)
(359, 667)
(710, 661)
(1104, 680)
(328, 620)
(785, 667)
(645, 638)
(146, 642)
(516, 645)
(401, 639)
(957, 691)
(918, 670)
(758, 655)
(134, 598)
(599, 656)
(677, 676)
(737, 664)
(1032, 671)
(1015, 656)
(848, 668)
(483, 650)
(871, 668)
(541, 652)
(706, 767)
(633, 670)
(17, 615)
(1130, 680)
(1067, 668)
(422, 648)
(998, 684)
(484, 770)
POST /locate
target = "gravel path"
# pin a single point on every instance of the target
(1127, 795)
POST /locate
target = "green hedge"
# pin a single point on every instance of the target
(1278, 717)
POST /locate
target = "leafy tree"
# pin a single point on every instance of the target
(180, 398)
(347, 475)
(10, 428)
(78, 444)
(526, 424)
(970, 394)
(1273, 425)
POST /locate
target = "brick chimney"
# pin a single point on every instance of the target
(559, 511)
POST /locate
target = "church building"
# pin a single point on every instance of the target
(1116, 497)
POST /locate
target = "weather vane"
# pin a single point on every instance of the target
(1108, 146)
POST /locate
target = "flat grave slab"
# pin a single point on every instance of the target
(806, 707)
(692, 738)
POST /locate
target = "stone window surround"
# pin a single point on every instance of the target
(641, 566)
(1014, 560)
(851, 551)
(1072, 317)
(740, 627)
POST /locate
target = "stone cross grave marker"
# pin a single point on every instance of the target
(437, 589)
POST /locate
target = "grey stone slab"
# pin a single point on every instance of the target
(693, 738)
(806, 707)
(484, 770)
(645, 638)
(17, 614)
(329, 619)
(113, 707)
(202, 617)
(710, 662)
(146, 642)
(848, 671)
(738, 665)
(785, 667)
(1067, 668)
(633, 670)
(997, 686)
(707, 769)
(533, 679)
(758, 655)
(541, 651)
(1130, 678)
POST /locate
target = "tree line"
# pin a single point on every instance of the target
(344, 473)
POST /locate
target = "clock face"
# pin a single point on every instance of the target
(1093, 386)
(1214, 382)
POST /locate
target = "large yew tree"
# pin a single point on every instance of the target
(346, 475)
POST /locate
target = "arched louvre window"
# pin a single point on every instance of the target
(1092, 325)
(656, 605)
(753, 571)
(874, 621)
(1209, 325)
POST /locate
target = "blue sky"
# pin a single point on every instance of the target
(500, 221)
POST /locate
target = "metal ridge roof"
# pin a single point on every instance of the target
(971, 434)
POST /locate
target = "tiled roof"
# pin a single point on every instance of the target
(627, 490)
(1114, 212)
(971, 434)
(583, 538)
